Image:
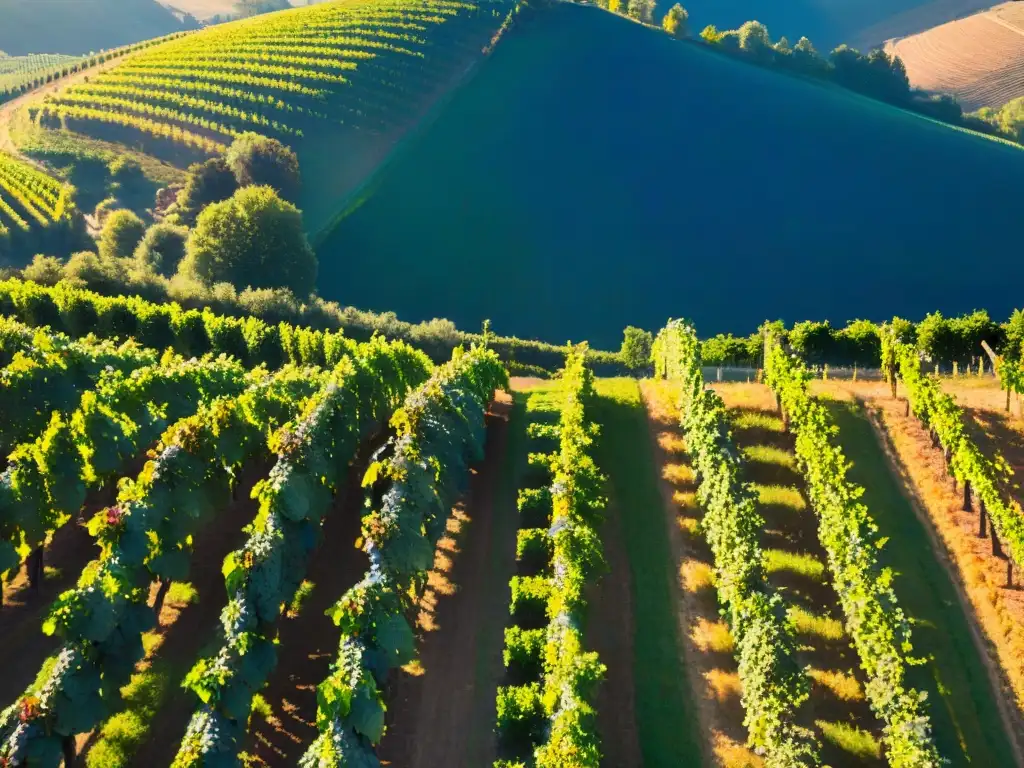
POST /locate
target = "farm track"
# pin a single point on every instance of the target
(609, 632)
(441, 709)
(309, 640)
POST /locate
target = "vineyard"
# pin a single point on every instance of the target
(229, 542)
(311, 74)
(35, 208)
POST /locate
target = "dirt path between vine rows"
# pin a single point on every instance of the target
(309, 639)
(609, 632)
(441, 710)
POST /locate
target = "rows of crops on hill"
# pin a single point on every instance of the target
(361, 64)
(37, 211)
(93, 410)
(18, 71)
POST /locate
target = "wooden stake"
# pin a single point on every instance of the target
(981, 522)
(1009, 573)
(997, 548)
(967, 497)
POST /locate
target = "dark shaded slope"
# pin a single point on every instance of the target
(593, 169)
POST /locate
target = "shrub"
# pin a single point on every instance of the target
(676, 21)
(636, 347)
(254, 239)
(162, 249)
(45, 270)
(121, 235)
(261, 161)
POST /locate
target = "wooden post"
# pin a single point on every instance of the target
(1007, 398)
(967, 496)
(34, 566)
(956, 371)
(981, 522)
(67, 746)
(997, 549)
(1009, 573)
(907, 412)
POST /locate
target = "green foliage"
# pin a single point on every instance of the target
(208, 182)
(874, 621)
(45, 270)
(641, 10)
(122, 232)
(162, 249)
(253, 239)
(261, 161)
(676, 21)
(439, 430)
(774, 686)
(568, 674)
(945, 419)
(636, 347)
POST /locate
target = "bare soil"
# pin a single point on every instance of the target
(609, 632)
(309, 640)
(441, 708)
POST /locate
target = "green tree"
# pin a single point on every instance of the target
(813, 341)
(636, 347)
(710, 34)
(641, 10)
(1013, 329)
(121, 234)
(207, 183)
(162, 248)
(676, 21)
(45, 270)
(253, 239)
(754, 39)
(261, 161)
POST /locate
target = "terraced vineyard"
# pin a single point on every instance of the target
(19, 72)
(361, 65)
(33, 205)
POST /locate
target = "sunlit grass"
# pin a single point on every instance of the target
(781, 496)
(182, 593)
(850, 739)
(302, 594)
(757, 420)
(261, 708)
(712, 637)
(697, 576)
(678, 474)
(767, 454)
(776, 560)
(122, 733)
(843, 685)
(723, 685)
(810, 624)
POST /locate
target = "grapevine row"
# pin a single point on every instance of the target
(553, 716)
(43, 198)
(877, 625)
(313, 455)
(773, 685)
(145, 537)
(968, 465)
(47, 478)
(190, 332)
(52, 375)
(439, 431)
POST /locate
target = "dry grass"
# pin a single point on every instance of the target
(816, 625)
(724, 685)
(979, 59)
(842, 685)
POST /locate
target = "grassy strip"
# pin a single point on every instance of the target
(666, 714)
(965, 718)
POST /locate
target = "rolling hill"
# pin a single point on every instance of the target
(979, 59)
(342, 81)
(77, 27)
(562, 202)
